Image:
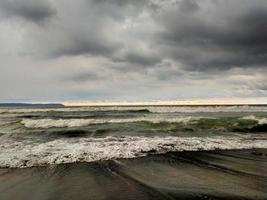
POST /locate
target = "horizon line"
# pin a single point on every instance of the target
(188, 102)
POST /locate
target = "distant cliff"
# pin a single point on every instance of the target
(32, 105)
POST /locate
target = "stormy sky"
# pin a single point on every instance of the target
(132, 50)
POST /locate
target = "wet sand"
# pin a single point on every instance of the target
(237, 174)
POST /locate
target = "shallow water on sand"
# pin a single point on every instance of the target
(239, 174)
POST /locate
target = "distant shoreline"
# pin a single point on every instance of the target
(168, 105)
(58, 105)
(31, 105)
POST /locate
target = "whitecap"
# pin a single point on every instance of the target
(259, 120)
(60, 123)
(26, 153)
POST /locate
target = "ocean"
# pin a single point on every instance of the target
(149, 152)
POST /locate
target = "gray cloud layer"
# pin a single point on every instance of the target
(138, 45)
(218, 36)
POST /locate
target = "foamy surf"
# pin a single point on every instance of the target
(260, 121)
(60, 123)
(25, 153)
(70, 123)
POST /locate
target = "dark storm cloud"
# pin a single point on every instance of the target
(224, 35)
(96, 33)
(32, 10)
(201, 35)
(263, 87)
(160, 47)
(138, 58)
(120, 3)
(258, 85)
(119, 10)
(188, 6)
(84, 77)
(86, 46)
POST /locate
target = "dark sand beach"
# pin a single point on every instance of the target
(231, 174)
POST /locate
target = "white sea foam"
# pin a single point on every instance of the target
(26, 153)
(59, 123)
(259, 120)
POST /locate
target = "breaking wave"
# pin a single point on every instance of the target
(260, 121)
(243, 123)
(60, 123)
(27, 154)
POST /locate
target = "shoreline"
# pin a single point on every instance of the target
(217, 174)
(255, 151)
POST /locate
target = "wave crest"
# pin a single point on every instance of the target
(28, 154)
(260, 121)
(202, 122)
(60, 123)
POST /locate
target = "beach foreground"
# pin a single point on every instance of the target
(230, 174)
